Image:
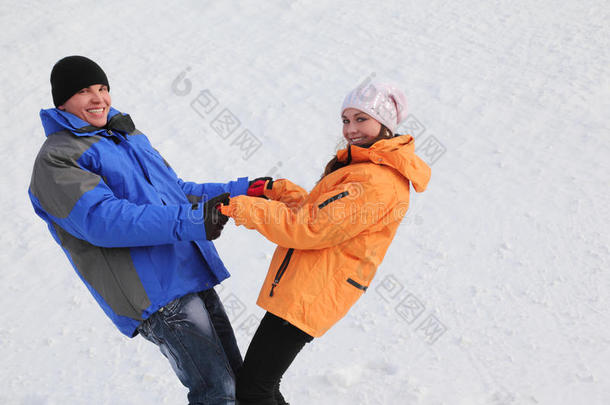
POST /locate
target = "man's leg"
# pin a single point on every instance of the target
(185, 335)
(223, 328)
(272, 349)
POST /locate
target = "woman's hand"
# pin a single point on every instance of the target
(256, 187)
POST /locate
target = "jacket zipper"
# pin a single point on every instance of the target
(357, 284)
(286, 261)
(281, 270)
(334, 198)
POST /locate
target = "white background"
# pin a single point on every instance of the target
(508, 249)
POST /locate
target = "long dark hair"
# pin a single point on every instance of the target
(335, 164)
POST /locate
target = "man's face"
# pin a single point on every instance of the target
(90, 104)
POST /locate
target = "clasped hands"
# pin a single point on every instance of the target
(214, 221)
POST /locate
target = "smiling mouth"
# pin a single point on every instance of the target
(356, 140)
(95, 111)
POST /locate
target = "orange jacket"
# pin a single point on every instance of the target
(331, 241)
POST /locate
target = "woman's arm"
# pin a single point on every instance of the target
(286, 192)
(336, 216)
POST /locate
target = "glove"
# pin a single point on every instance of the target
(256, 187)
(213, 219)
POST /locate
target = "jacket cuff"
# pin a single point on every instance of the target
(241, 188)
(270, 192)
(192, 227)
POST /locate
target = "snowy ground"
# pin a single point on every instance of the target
(496, 288)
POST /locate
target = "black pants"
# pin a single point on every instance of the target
(273, 348)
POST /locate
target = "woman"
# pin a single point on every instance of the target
(331, 240)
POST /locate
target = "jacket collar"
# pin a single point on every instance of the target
(55, 120)
(398, 153)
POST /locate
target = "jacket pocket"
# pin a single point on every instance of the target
(171, 308)
(333, 198)
(281, 270)
(357, 284)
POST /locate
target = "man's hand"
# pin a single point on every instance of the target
(213, 219)
(256, 187)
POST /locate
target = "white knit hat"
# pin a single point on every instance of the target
(383, 101)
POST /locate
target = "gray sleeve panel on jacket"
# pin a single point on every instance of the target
(57, 181)
(110, 271)
(164, 161)
(135, 132)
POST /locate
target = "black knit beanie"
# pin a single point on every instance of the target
(73, 73)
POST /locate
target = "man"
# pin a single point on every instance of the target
(136, 234)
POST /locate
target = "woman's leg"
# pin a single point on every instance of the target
(279, 398)
(272, 349)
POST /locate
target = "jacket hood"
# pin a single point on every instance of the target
(54, 120)
(398, 153)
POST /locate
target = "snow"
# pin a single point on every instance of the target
(496, 287)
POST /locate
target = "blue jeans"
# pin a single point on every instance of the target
(195, 335)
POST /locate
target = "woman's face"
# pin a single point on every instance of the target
(359, 128)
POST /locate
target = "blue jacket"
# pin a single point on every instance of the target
(131, 228)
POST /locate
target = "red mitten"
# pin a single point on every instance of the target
(257, 187)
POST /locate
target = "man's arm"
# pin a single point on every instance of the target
(201, 192)
(82, 204)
